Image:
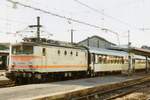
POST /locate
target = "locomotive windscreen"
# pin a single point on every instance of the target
(22, 49)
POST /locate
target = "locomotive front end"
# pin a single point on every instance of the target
(21, 60)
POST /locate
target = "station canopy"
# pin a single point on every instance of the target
(140, 51)
(107, 52)
(134, 50)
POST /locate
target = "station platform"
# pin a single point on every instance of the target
(35, 91)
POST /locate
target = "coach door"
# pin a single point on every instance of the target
(93, 61)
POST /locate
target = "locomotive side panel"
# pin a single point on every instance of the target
(60, 59)
(68, 59)
(45, 62)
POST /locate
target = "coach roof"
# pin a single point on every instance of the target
(107, 52)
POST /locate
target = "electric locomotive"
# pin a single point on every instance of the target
(32, 60)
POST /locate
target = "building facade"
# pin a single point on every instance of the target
(96, 42)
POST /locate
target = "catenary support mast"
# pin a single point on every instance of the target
(38, 28)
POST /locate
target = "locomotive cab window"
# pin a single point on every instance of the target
(22, 49)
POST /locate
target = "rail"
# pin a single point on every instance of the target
(98, 92)
(117, 91)
(7, 83)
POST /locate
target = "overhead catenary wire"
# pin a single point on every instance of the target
(126, 3)
(14, 21)
(62, 17)
(56, 15)
(104, 14)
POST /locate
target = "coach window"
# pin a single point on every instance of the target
(65, 52)
(105, 59)
(58, 52)
(111, 60)
(139, 61)
(99, 59)
(108, 59)
(102, 59)
(122, 60)
(117, 59)
(76, 53)
(71, 53)
(114, 60)
(44, 51)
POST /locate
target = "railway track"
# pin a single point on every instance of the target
(118, 91)
(125, 91)
(7, 83)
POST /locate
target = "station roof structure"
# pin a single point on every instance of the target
(98, 37)
(135, 50)
(107, 51)
(140, 51)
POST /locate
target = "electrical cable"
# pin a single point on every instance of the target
(102, 13)
(63, 17)
(56, 15)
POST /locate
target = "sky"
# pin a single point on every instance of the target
(119, 16)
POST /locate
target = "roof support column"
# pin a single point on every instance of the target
(10, 60)
(130, 66)
(146, 65)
